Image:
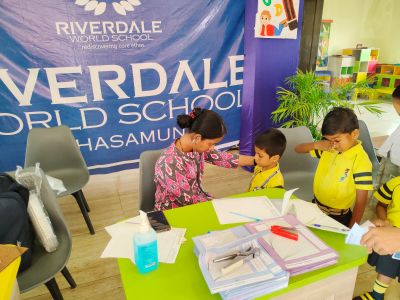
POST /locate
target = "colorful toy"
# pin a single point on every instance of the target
(341, 67)
(387, 78)
(365, 61)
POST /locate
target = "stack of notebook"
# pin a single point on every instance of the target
(306, 254)
(235, 264)
(249, 261)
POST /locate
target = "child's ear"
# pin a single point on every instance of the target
(275, 158)
(355, 134)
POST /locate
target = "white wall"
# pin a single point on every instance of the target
(373, 23)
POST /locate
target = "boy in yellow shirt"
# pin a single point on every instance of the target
(344, 172)
(388, 213)
(269, 147)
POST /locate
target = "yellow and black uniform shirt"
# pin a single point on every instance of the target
(389, 193)
(269, 178)
(339, 175)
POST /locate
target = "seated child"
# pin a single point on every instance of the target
(388, 212)
(344, 172)
(390, 150)
(269, 147)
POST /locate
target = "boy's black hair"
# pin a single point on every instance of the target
(272, 141)
(339, 120)
(396, 93)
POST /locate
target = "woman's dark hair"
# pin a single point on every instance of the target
(339, 120)
(205, 122)
(396, 93)
(272, 141)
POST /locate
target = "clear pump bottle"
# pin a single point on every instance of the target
(145, 246)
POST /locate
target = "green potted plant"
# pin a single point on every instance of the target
(305, 102)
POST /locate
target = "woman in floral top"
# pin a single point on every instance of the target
(180, 168)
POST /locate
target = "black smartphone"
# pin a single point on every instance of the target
(158, 221)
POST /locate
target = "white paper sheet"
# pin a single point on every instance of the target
(234, 210)
(169, 243)
(367, 225)
(285, 202)
(238, 210)
(121, 243)
(219, 238)
(355, 235)
(309, 214)
(357, 231)
(131, 224)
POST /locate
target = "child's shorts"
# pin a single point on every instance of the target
(385, 265)
(343, 216)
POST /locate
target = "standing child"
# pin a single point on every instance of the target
(388, 212)
(344, 172)
(269, 147)
(390, 150)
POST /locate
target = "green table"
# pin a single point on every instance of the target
(183, 280)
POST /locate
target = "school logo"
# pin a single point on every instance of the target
(345, 175)
(99, 7)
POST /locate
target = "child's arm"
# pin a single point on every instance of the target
(245, 160)
(381, 213)
(359, 207)
(323, 145)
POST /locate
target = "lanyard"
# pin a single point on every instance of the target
(265, 182)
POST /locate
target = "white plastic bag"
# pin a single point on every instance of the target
(36, 210)
(56, 184)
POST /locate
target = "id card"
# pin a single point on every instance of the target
(396, 255)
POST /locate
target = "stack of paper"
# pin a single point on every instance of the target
(239, 210)
(310, 215)
(121, 243)
(306, 254)
(254, 276)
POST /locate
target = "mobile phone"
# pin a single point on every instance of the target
(158, 221)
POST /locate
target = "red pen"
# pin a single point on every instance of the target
(287, 232)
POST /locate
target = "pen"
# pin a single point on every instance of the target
(329, 227)
(245, 216)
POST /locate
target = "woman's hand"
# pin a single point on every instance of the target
(383, 240)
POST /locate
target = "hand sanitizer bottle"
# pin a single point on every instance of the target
(145, 246)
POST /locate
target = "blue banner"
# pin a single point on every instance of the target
(116, 72)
